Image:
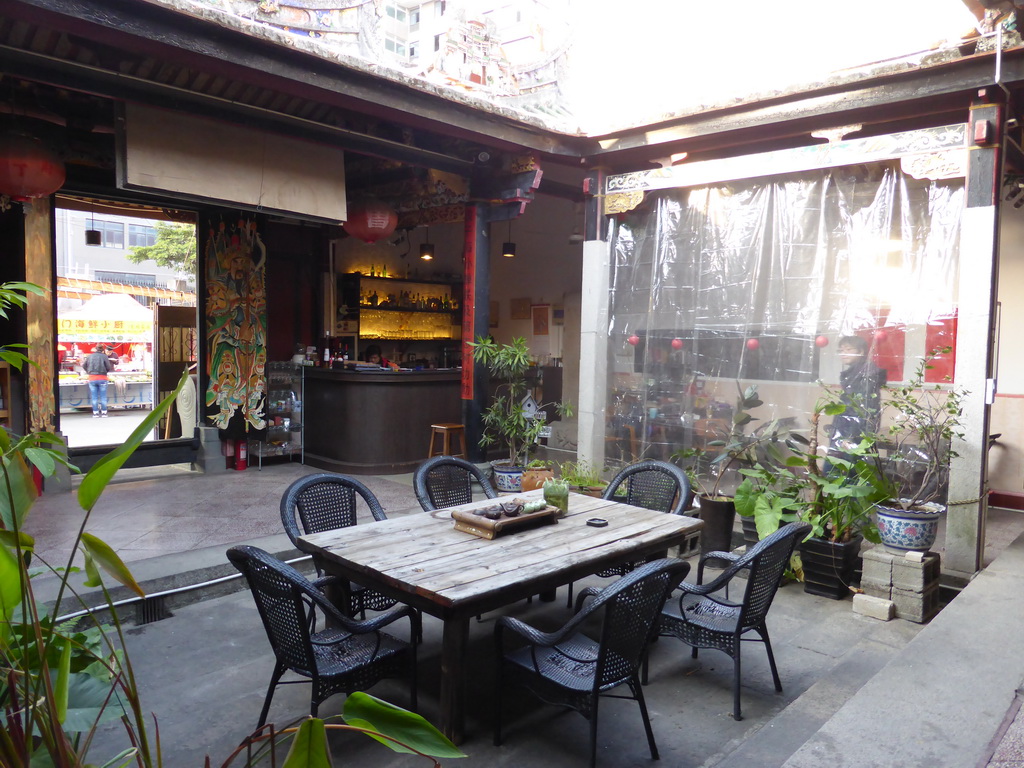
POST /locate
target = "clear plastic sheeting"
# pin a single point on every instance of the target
(754, 283)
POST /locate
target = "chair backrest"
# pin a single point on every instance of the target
(285, 599)
(765, 563)
(447, 481)
(654, 485)
(631, 606)
(325, 501)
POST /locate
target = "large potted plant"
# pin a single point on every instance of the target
(708, 467)
(921, 426)
(507, 421)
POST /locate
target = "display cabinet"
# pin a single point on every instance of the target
(283, 412)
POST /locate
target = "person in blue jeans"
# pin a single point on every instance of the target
(97, 365)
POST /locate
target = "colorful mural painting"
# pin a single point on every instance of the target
(236, 316)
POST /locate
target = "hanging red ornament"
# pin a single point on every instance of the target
(634, 339)
(880, 335)
(677, 344)
(821, 341)
(370, 220)
(28, 168)
(753, 344)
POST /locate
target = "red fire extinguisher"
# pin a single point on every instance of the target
(242, 455)
(228, 449)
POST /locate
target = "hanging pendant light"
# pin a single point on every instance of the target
(427, 248)
(508, 248)
(92, 235)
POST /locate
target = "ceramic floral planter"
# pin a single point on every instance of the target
(507, 478)
(909, 530)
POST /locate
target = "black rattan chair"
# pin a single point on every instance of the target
(651, 484)
(323, 502)
(346, 656)
(447, 481)
(703, 619)
(568, 668)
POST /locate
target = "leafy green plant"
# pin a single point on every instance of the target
(59, 683)
(924, 426)
(708, 468)
(505, 420)
(580, 474)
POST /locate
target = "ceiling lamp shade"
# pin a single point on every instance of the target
(371, 220)
(28, 168)
(427, 248)
(508, 250)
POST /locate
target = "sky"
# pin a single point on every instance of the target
(665, 56)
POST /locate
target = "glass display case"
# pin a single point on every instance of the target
(283, 413)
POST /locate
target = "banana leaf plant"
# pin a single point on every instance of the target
(58, 681)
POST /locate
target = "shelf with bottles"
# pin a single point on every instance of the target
(396, 295)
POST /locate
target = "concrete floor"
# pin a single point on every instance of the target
(203, 671)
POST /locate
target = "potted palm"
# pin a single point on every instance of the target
(915, 450)
(507, 421)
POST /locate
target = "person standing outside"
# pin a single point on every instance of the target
(97, 365)
(862, 382)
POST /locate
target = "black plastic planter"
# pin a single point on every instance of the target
(718, 515)
(829, 567)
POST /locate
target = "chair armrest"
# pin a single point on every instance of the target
(583, 595)
(327, 581)
(386, 617)
(727, 556)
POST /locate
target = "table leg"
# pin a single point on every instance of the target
(454, 640)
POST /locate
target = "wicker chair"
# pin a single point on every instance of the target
(650, 484)
(346, 656)
(323, 502)
(703, 619)
(447, 481)
(568, 668)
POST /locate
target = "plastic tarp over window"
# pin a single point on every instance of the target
(756, 282)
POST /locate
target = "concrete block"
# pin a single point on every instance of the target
(880, 588)
(875, 607)
(913, 606)
(916, 576)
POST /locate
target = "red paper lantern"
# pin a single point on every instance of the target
(371, 220)
(677, 343)
(28, 168)
(880, 335)
(634, 339)
(821, 341)
(753, 344)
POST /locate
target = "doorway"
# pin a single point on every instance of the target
(126, 287)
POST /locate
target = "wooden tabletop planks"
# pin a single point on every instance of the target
(423, 554)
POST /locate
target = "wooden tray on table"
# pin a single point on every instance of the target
(485, 528)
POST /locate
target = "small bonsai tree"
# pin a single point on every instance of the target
(506, 421)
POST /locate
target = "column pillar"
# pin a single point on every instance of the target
(968, 480)
(593, 394)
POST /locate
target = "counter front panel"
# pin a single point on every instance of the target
(375, 423)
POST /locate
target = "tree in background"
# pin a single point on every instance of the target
(175, 247)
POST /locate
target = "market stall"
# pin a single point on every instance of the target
(126, 327)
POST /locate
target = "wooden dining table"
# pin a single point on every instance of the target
(421, 560)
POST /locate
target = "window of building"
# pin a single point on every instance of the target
(394, 45)
(413, 51)
(414, 19)
(439, 7)
(396, 13)
(125, 278)
(112, 231)
(141, 235)
(437, 42)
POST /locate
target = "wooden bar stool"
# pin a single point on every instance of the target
(447, 430)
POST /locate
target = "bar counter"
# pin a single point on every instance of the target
(375, 422)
